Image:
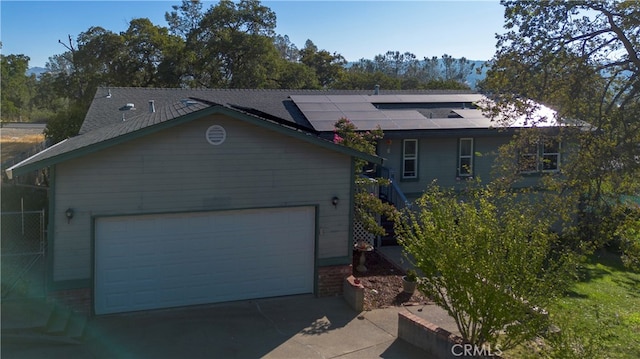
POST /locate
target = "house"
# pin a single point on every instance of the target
(172, 197)
(176, 201)
(435, 136)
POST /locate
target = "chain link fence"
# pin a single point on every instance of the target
(23, 248)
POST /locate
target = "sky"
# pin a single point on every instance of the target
(354, 29)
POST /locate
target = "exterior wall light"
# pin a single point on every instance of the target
(335, 201)
(69, 214)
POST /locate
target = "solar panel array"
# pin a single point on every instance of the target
(411, 111)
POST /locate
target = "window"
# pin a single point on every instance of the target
(465, 157)
(540, 156)
(528, 160)
(550, 155)
(409, 159)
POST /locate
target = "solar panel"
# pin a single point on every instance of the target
(323, 111)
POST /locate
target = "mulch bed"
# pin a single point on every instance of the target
(383, 284)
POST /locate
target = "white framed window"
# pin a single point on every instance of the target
(550, 155)
(540, 156)
(409, 159)
(465, 157)
(528, 158)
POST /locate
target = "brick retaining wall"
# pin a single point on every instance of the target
(330, 279)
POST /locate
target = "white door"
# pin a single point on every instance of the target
(168, 260)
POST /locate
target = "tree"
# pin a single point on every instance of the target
(367, 206)
(66, 123)
(185, 18)
(147, 46)
(489, 258)
(17, 87)
(294, 75)
(456, 69)
(396, 70)
(580, 58)
(328, 67)
(233, 47)
(394, 63)
(287, 50)
(356, 80)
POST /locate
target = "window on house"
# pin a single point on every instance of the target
(550, 155)
(543, 155)
(465, 157)
(528, 159)
(410, 159)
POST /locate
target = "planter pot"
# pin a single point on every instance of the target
(408, 286)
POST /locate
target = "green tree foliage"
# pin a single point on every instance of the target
(233, 47)
(65, 123)
(17, 87)
(147, 46)
(580, 58)
(287, 50)
(185, 18)
(489, 258)
(396, 70)
(328, 67)
(367, 205)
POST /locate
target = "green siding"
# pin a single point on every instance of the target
(438, 160)
(177, 170)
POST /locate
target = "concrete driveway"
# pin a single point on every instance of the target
(287, 327)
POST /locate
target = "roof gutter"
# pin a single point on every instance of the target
(24, 167)
(9, 171)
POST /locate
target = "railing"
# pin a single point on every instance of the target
(392, 193)
(397, 197)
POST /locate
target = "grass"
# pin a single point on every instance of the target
(600, 315)
(14, 145)
(605, 306)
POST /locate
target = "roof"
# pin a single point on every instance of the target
(118, 114)
(135, 124)
(107, 102)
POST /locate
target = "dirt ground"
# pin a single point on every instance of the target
(383, 284)
(14, 141)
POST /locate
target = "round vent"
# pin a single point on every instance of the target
(216, 135)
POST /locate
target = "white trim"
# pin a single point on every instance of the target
(406, 158)
(9, 170)
(557, 154)
(469, 156)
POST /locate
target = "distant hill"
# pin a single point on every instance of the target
(472, 79)
(474, 76)
(36, 71)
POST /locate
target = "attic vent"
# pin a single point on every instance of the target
(188, 102)
(128, 107)
(216, 135)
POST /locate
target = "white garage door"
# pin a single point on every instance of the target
(160, 261)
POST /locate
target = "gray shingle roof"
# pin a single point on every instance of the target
(105, 108)
(115, 130)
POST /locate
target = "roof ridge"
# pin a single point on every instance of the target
(206, 89)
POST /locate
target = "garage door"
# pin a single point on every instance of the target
(160, 261)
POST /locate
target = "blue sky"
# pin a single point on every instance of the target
(354, 29)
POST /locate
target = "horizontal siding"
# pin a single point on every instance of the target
(438, 160)
(177, 170)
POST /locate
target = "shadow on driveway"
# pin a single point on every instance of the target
(286, 327)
